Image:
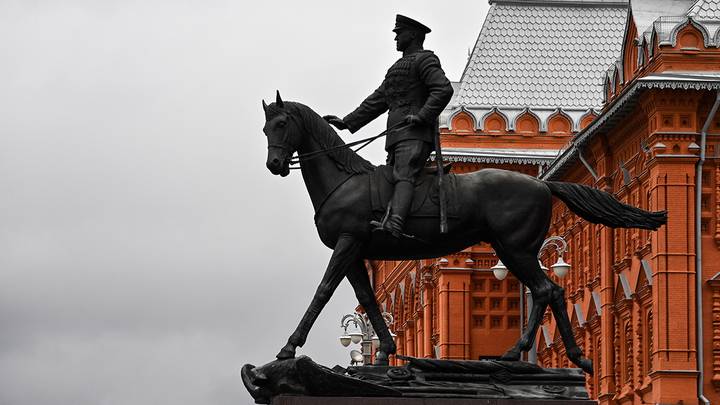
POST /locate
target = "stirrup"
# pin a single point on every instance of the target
(378, 227)
(391, 224)
(382, 225)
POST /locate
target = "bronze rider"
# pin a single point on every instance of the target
(415, 91)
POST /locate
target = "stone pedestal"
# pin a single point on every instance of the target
(303, 400)
(421, 381)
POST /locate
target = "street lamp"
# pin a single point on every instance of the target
(560, 268)
(363, 334)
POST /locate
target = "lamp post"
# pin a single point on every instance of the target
(560, 268)
(364, 334)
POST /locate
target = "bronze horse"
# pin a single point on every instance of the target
(509, 210)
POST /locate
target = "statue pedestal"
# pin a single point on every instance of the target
(301, 381)
(303, 400)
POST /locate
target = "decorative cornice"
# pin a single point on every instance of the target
(623, 104)
(499, 156)
(511, 113)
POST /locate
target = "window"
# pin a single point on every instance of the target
(495, 286)
(479, 285)
(514, 322)
(513, 286)
(496, 303)
(478, 321)
(513, 303)
(478, 302)
(496, 322)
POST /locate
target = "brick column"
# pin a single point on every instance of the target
(454, 303)
(410, 338)
(606, 381)
(427, 313)
(672, 177)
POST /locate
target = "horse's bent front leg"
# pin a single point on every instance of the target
(525, 266)
(528, 337)
(366, 297)
(347, 251)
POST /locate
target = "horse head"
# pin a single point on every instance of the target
(282, 135)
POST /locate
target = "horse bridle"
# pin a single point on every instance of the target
(295, 159)
(283, 143)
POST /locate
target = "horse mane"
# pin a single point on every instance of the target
(345, 158)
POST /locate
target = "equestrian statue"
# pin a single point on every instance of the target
(392, 212)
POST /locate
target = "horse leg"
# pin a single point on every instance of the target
(574, 353)
(366, 297)
(528, 337)
(545, 292)
(526, 269)
(347, 251)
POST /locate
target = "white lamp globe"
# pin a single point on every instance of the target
(345, 340)
(499, 270)
(560, 268)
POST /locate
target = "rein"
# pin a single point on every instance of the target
(294, 160)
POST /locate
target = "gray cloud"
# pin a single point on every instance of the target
(145, 251)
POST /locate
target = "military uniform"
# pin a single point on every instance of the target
(414, 85)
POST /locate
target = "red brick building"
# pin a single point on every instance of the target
(537, 96)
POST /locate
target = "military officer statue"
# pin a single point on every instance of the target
(415, 91)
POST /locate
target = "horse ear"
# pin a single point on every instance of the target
(278, 100)
(264, 106)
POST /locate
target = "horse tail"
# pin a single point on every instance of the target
(600, 207)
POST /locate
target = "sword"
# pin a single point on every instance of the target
(441, 189)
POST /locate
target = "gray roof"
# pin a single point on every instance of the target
(543, 56)
(705, 10)
(645, 12)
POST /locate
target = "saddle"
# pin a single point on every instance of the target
(425, 202)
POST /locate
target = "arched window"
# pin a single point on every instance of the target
(587, 119)
(495, 123)
(527, 124)
(462, 122)
(559, 124)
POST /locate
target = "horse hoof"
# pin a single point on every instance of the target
(287, 352)
(381, 359)
(511, 355)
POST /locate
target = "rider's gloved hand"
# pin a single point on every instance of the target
(413, 119)
(336, 122)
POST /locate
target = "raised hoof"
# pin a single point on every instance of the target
(511, 355)
(287, 352)
(381, 359)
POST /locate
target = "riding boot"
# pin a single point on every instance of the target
(401, 201)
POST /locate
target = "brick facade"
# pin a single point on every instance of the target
(631, 293)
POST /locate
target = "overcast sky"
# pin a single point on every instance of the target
(146, 253)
